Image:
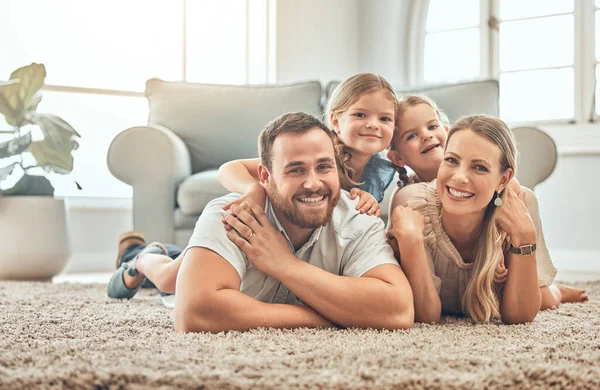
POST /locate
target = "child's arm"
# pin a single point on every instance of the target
(242, 176)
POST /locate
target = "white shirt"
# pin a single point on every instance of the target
(349, 245)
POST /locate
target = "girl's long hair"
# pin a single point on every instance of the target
(480, 301)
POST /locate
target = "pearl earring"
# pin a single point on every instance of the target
(498, 200)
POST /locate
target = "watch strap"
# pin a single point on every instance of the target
(524, 250)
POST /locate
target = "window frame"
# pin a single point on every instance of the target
(270, 68)
(584, 63)
(269, 76)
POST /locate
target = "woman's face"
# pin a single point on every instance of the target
(470, 173)
(420, 142)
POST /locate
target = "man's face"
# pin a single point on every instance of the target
(303, 184)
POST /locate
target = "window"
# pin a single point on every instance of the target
(99, 53)
(452, 37)
(537, 49)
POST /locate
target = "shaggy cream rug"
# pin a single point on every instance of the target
(73, 336)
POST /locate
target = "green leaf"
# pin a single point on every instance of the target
(30, 185)
(11, 105)
(50, 158)
(6, 171)
(57, 131)
(32, 79)
(31, 105)
(15, 146)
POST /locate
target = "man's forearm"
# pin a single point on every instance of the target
(228, 309)
(350, 301)
(428, 306)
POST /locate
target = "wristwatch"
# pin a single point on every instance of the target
(524, 250)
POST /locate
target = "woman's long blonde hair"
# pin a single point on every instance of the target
(480, 300)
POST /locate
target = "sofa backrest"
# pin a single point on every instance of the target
(220, 123)
(456, 100)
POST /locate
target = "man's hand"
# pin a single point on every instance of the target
(367, 203)
(264, 246)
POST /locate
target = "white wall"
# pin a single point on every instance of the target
(569, 198)
(317, 40)
(384, 38)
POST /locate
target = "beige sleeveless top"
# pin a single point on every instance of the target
(450, 273)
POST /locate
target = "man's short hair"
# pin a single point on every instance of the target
(300, 123)
(290, 123)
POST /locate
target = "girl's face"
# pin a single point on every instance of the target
(367, 126)
(470, 173)
(420, 142)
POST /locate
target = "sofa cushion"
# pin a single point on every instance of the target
(456, 100)
(197, 190)
(220, 123)
(184, 221)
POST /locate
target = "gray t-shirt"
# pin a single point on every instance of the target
(350, 245)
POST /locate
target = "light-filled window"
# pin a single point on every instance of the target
(452, 42)
(537, 49)
(99, 53)
(534, 48)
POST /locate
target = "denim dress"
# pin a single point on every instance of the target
(377, 177)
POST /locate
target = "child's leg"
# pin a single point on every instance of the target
(160, 270)
(556, 294)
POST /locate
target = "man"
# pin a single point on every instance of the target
(309, 259)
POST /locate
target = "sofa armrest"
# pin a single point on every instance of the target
(154, 161)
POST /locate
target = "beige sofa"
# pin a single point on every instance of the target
(192, 129)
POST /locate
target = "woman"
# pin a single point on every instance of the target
(458, 228)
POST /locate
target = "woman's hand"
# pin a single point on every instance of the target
(367, 203)
(515, 220)
(516, 186)
(406, 223)
(501, 272)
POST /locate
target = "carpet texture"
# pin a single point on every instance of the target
(73, 336)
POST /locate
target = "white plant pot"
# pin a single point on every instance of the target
(34, 243)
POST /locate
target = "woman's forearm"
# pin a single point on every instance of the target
(521, 298)
(427, 302)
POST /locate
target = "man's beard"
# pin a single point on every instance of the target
(309, 219)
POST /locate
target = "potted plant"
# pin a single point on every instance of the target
(33, 226)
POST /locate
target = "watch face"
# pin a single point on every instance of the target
(526, 250)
